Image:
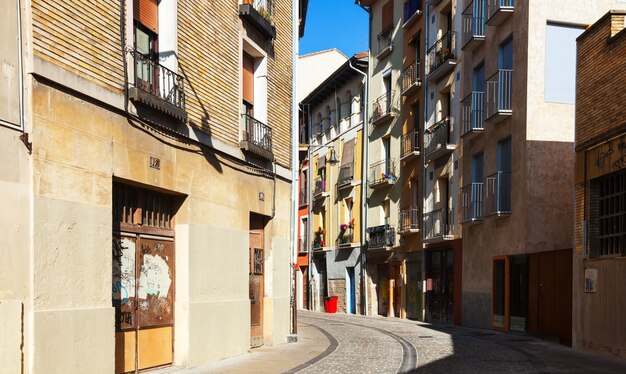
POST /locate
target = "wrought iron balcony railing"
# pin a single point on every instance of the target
(385, 42)
(409, 144)
(346, 174)
(498, 194)
(498, 11)
(439, 224)
(158, 82)
(320, 186)
(441, 51)
(381, 236)
(437, 136)
(412, 8)
(410, 78)
(472, 202)
(499, 101)
(260, 14)
(256, 136)
(383, 172)
(408, 220)
(383, 107)
(472, 113)
(473, 23)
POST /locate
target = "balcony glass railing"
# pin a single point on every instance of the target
(382, 236)
(409, 143)
(473, 21)
(498, 193)
(383, 171)
(411, 7)
(472, 114)
(383, 106)
(498, 101)
(472, 202)
(256, 132)
(410, 76)
(441, 51)
(408, 219)
(385, 40)
(346, 174)
(437, 136)
(158, 81)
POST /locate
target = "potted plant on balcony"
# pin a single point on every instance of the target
(444, 54)
(344, 236)
(318, 241)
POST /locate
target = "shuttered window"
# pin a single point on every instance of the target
(248, 78)
(347, 158)
(147, 13)
(387, 15)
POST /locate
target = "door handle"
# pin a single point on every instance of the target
(541, 288)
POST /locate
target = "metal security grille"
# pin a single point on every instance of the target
(135, 206)
(612, 215)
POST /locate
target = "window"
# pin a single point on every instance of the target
(146, 28)
(11, 61)
(505, 55)
(478, 78)
(339, 111)
(248, 84)
(362, 103)
(503, 177)
(609, 225)
(387, 153)
(387, 15)
(560, 81)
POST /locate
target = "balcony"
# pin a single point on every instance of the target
(411, 78)
(472, 202)
(385, 43)
(409, 145)
(304, 196)
(434, 3)
(412, 11)
(319, 190)
(381, 237)
(441, 57)
(258, 13)
(498, 106)
(346, 236)
(472, 115)
(383, 109)
(498, 11)
(408, 221)
(439, 225)
(383, 173)
(473, 25)
(256, 137)
(319, 240)
(437, 140)
(498, 194)
(158, 87)
(346, 176)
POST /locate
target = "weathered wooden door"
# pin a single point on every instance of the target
(257, 281)
(554, 295)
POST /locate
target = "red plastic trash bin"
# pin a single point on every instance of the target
(330, 304)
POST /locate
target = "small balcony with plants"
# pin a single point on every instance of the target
(498, 11)
(383, 109)
(346, 176)
(472, 202)
(319, 189)
(411, 78)
(441, 57)
(412, 11)
(437, 141)
(385, 43)
(439, 225)
(259, 14)
(319, 239)
(472, 114)
(409, 145)
(473, 25)
(498, 194)
(383, 173)
(157, 87)
(408, 221)
(381, 237)
(256, 137)
(346, 235)
(498, 106)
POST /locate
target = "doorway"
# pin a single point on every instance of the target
(256, 278)
(351, 291)
(440, 285)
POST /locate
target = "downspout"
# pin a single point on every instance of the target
(425, 115)
(294, 161)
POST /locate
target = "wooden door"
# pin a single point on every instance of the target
(256, 283)
(305, 287)
(554, 296)
(394, 286)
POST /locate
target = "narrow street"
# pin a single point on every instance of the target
(340, 343)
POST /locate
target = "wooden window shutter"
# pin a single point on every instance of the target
(387, 15)
(248, 78)
(147, 13)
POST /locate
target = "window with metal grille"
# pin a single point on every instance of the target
(141, 207)
(611, 214)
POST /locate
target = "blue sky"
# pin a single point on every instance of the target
(337, 24)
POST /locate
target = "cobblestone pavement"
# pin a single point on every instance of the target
(374, 345)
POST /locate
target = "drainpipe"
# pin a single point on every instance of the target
(425, 115)
(294, 162)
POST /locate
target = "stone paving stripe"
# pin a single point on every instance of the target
(333, 344)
